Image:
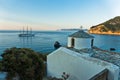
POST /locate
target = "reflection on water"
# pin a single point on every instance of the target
(26, 42)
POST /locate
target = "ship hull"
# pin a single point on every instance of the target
(26, 35)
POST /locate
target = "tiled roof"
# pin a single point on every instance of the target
(81, 34)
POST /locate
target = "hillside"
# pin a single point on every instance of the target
(111, 26)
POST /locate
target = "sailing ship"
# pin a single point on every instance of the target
(26, 33)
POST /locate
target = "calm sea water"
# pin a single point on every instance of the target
(44, 40)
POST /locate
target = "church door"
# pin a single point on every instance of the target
(72, 42)
(92, 41)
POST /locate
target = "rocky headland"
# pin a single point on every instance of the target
(111, 27)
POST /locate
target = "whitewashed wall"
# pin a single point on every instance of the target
(69, 41)
(80, 43)
(79, 67)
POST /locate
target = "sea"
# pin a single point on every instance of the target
(43, 41)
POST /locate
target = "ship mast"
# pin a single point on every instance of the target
(23, 30)
(30, 30)
(27, 29)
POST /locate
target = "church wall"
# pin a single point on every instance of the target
(81, 43)
(69, 42)
(79, 67)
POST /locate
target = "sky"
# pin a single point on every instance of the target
(56, 14)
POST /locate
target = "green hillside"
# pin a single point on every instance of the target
(112, 25)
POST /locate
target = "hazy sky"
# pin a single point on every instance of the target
(56, 14)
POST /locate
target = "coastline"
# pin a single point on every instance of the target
(105, 33)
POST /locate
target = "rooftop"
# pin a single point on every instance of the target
(81, 34)
(104, 55)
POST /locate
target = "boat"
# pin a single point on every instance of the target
(112, 49)
(26, 33)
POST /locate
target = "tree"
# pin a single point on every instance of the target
(23, 63)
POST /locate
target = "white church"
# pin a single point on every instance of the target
(79, 65)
